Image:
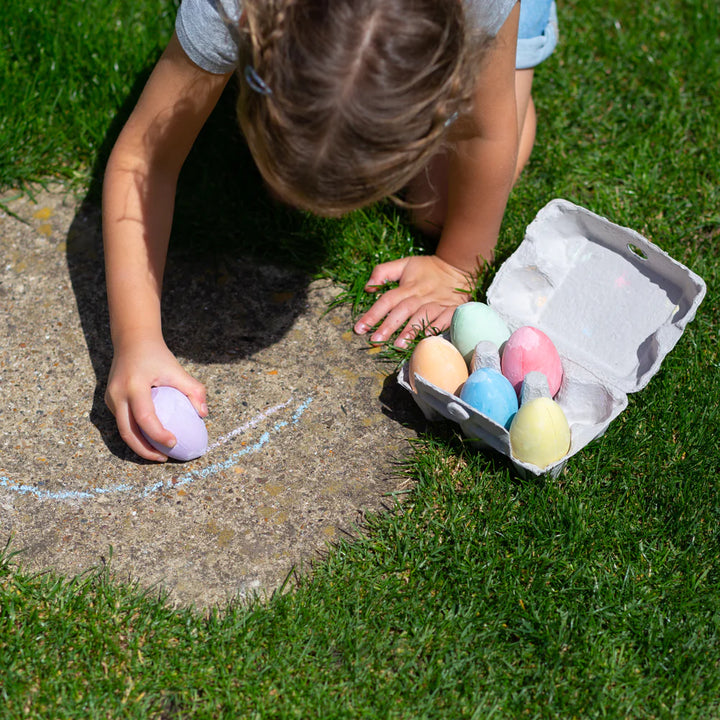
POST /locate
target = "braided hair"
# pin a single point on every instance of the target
(354, 96)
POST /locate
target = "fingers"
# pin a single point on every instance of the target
(381, 275)
(428, 319)
(138, 422)
(411, 312)
(195, 392)
(142, 411)
(386, 272)
(130, 432)
(428, 292)
(380, 309)
(137, 367)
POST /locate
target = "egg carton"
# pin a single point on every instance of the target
(612, 302)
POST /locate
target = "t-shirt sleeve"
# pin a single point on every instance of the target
(207, 31)
(489, 15)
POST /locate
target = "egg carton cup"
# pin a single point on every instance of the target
(612, 302)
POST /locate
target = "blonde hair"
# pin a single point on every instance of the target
(352, 97)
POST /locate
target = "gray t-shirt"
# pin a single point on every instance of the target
(205, 28)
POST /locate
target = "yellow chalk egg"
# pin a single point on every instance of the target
(439, 362)
(540, 434)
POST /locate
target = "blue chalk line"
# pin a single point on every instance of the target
(185, 479)
(64, 495)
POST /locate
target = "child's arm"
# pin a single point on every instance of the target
(481, 170)
(138, 202)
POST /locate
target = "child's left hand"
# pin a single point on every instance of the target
(429, 290)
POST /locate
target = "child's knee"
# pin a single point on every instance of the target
(427, 196)
(527, 138)
(526, 118)
(429, 220)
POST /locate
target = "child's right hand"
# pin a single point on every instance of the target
(135, 369)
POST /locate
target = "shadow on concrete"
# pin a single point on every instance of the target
(398, 406)
(239, 263)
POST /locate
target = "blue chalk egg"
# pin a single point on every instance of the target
(491, 394)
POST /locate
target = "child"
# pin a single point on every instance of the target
(342, 102)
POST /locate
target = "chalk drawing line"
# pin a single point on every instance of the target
(188, 477)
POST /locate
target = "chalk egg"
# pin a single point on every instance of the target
(490, 393)
(176, 413)
(531, 350)
(539, 433)
(474, 322)
(438, 361)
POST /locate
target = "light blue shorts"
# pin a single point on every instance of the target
(537, 34)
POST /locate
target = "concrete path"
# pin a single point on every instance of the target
(305, 426)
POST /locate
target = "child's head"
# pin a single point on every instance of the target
(359, 94)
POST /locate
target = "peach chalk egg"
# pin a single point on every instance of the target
(527, 350)
(438, 361)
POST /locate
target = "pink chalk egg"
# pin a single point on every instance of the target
(177, 415)
(439, 362)
(531, 350)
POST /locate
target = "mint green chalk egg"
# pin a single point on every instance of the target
(474, 322)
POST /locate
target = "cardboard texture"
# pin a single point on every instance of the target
(611, 301)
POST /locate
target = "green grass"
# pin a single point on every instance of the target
(66, 70)
(485, 596)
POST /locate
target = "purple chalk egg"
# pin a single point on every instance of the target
(177, 415)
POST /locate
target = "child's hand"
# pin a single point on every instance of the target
(134, 371)
(429, 290)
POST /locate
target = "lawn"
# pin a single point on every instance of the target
(596, 594)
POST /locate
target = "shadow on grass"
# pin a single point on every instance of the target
(238, 267)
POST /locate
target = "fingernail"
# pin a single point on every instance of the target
(401, 342)
(204, 409)
(377, 337)
(361, 328)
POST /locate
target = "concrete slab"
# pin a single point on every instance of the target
(305, 426)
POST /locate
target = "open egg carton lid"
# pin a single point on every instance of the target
(612, 302)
